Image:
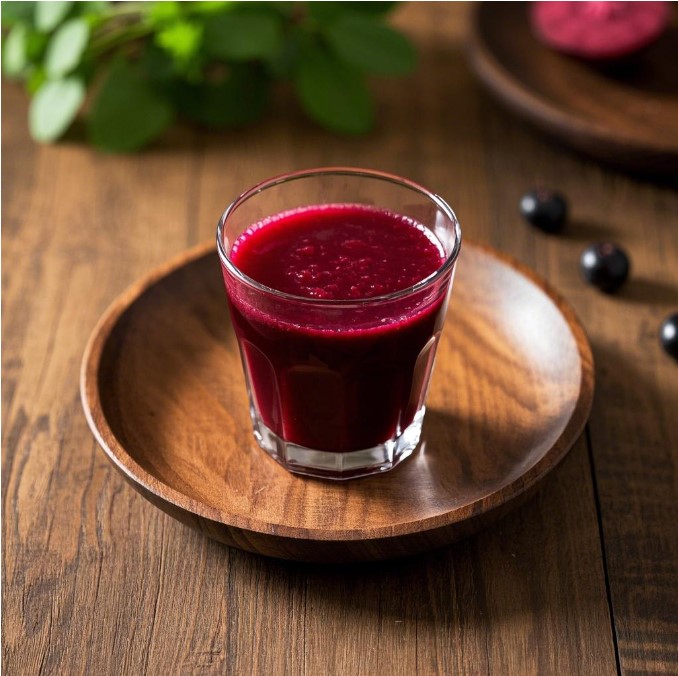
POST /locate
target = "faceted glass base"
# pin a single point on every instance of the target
(338, 466)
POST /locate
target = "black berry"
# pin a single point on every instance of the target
(545, 209)
(605, 265)
(668, 334)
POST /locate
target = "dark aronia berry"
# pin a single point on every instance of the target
(605, 265)
(545, 209)
(668, 335)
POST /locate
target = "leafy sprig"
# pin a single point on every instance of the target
(133, 67)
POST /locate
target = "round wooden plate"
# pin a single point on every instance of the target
(625, 114)
(163, 392)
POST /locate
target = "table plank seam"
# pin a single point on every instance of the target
(601, 532)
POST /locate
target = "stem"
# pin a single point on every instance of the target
(112, 39)
(122, 23)
(124, 9)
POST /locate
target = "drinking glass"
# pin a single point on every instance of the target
(337, 387)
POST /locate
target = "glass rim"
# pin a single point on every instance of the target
(450, 258)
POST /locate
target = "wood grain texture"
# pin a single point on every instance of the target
(625, 114)
(95, 580)
(163, 391)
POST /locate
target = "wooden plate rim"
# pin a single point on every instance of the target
(540, 112)
(138, 476)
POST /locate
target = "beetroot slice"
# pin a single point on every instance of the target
(599, 30)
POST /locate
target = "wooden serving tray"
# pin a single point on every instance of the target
(625, 114)
(163, 392)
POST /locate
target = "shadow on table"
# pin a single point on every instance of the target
(632, 407)
(587, 231)
(649, 291)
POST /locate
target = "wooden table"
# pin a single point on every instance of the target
(582, 579)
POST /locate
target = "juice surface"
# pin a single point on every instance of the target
(338, 252)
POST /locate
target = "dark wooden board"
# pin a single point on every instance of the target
(625, 114)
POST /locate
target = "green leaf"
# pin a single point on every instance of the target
(332, 93)
(285, 9)
(35, 80)
(370, 45)
(35, 45)
(239, 99)
(182, 39)
(86, 7)
(14, 53)
(328, 11)
(209, 6)
(95, 12)
(54, 107)
(127, 114)
(371, 8)
(161, 12)
(16, 12)
(66, 48)
(156, 65)
(243, 35)
(49, 14)
(282, 64)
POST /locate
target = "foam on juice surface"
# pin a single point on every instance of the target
(337, 252)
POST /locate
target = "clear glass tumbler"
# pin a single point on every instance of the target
(337, 388)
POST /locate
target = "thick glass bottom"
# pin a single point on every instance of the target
(338, 466)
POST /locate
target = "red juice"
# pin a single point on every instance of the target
(337, 252)
(328, 368)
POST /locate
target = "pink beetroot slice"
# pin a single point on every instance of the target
(599, 30)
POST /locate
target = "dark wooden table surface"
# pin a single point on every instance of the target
(581, 579)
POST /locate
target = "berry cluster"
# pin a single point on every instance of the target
(605, 265)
